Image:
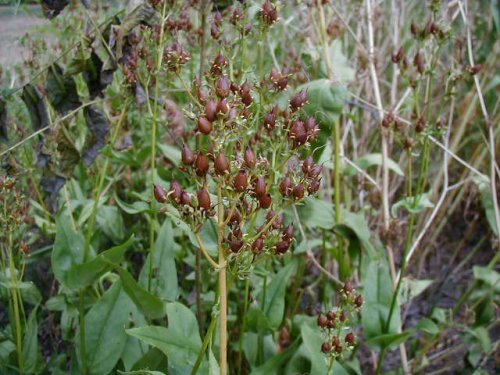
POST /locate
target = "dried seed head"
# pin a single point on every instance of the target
(236, 245)
(358, 301)
(414, 29)
(214, 31)
(258, 245)
(298, 133)
(313, 187)
(270, 119)
(201, 164)
(326, 347)
(220, 62)
(419, 63)
(160, 194)
(203, 199)
(260, 187)
(241, 181)
(316, 171)
(348, 287)
(269, 13)
(330, 315)
(175, 191)
(288, 233)
(350, 339)
(204, 126)
(473, 70)
(221, 164)
(307, 165)
(282, 247)
(186, 199)
(286, 186)
(222, 107)
(298, 100)
(298, 192)
(211, 110)
(187, 155)
(249, 158)
(322, 321)
(222, 87)
(265, 201)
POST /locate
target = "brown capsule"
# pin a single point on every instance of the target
(249, 158)
(204, 126)
(475, 69)
(245, 88)
(414, 29)
(278, 223)
(350, 339)
(270, 120)
(298, 192)
(214, 31)
(221, 164)
(348, 287)
(330, 315)
(421, 125)
(186, 199)
(187, 155)
(286, 186)
(313, 187)
(160, 194)
(236, 245)
(211, 110)
(298, 132)
(218, 18)
(282, 247)
(234, 87)
(268, 13)
(222, 87)
(220, 62)
(203, 199)
(246, 99)
(298, 100)
(316, 171)
(311, 125)
(288, 233)
(241, 181)
(322, 321)
(222, 107)
(260, 187)
(342, 316)
(419, 63)
(202, 96)
(307, 165)
(408, 143)
(398, 56)
(326, 348)
(258, 245)
(338, 349)
(358, 301)
(175, 191)
(201, 164)
(265, 201)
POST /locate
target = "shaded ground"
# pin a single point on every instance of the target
(13, 25)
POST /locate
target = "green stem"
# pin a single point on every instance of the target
(243, 325)
(204, 346)
(15, 306)
(222, 285)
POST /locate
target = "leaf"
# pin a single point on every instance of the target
(411, 288)
(105, 336)
(483, 184)
(171, 153)
(278, 361)
(67, 251)
(99, 129)
(274, 305)
(132, 208)
(378, 292)
(489, 276)
(325, 100)
(52, 8)
(340, 64)
(374, 159)
(84, 274)
(428, 326)
(150, 305)
(316, 213)
(3, 121)
(141, 372)
(389, 339)
(30, 344)
(36, 106)
(312, 341)
(61, 90)
(180, 341)
(164, 280)
(355, 228)
(412, 204)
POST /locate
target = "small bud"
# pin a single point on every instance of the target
(322, 321)
(160, 194)
(187, 155)
(269, 13)
(358, 301)
(307, 165)
(298, 133)
(313, 187)
(185, 199)
(286, 186)
(222, 87)
(348, 287)
(219, 63)
(236, 245)
(414, 29)
(330, 315)
(221, 164)
(473, 70)
(203, 199)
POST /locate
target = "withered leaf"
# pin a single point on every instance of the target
(36, 106)
(61, 90)
(99, 129)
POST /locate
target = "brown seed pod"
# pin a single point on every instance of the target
(214, 31)
(307, 165)
(186, 199)
(286, 186)
(241, 181)
(211, 110)
(236, 245)
(298, 100)
(175, 191)
(187, 155)
(249, 158)
(203, 199)
(350, 339)
(316, 171)
(160, 194)
(326, 348)
(282, 247)
(322, 321)
(265, 201)
(201, 164)
(258, 245)
(473, 70)
(270, 119)
(342, 316)
(222, 87)
(220, 62)
(313, 187)
(221, 164)
(348, 287)
(298, 192)
(260, 187)
(202, 96)
(222, 107)
(288, 233)
(358, 301)
(414, 29)
(268, 13)
(419, 63)
(204, 126)
(298, 133)
(330, 315)
(338, 349)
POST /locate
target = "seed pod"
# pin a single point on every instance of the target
(338, 349)
(298, 100)
(398, 56)
(282, 247)
(249, 158)
(298, 192)
(288, 233)
(187, 155)
(473, 70)
(286, 186)
(201, 164)
(245, 88)
(335, 341)
(358, 301)
(222, 87)
(214, 31)
(202, 96)
(204, 126)
(342, 316)
(175, 191)
(260, 187)
(313, 187)
(218, 18)
(241, 181)
(278, 223)
(236, 245)
(246, 99)
(316, 171)
(419, 63)
(265, 201)
(330, 315)
(326, 347)
(160, 194)
(298, 133)
(322, 321)
(258, 245)
(234, 87)
(307, 165)
(270, 120)
(421, 125)
(211, 110)
(203, 199)
(222, 107)
(220, 62)
(268, 13)
(185, 199)
(221, 164)
(414, 29)
(237, 16)
(350, 339)
(408, 143)
(348, 288)
(235, 217)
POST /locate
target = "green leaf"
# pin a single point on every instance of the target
(67, 251)
(98, 126)
(389, 339)
(316, 213)
(171, 153)
(37, 108)
(84, 274)
(355, 228)
(278, 361)
(313, 339)
(411, 288)
(378, 292)
(164, 280)
(483, 183)
(274, 305)
(61, 90)
(325, 100)
(141, 372)
(412, 204)
(30, 344)
(150, 305)
(489, 276)
(132, 208)
(180, 341)
(427, 325)
(340, 64)
(374, 159)
(105, 336)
